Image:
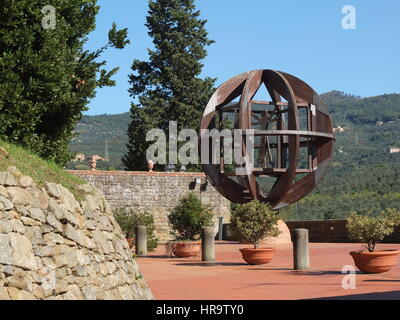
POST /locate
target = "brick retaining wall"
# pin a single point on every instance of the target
(332, 231)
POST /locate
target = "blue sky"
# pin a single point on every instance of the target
(304, 38)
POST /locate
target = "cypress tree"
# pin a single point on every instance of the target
(167, 86)
(46, 76)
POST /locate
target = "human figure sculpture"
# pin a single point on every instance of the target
(93, 164)
(150, 165)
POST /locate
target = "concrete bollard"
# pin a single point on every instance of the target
(301, 249)
(220, 227)
(141, 241)
(208, 244)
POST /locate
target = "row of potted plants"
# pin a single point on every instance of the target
(254, 221)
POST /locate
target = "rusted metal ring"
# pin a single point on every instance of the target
(319, 137)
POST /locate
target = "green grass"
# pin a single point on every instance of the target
(39, 170)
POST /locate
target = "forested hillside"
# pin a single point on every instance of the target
(363, 175)
(94, 131)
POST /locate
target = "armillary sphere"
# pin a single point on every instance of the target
(292, 144)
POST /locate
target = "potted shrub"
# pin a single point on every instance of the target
(254, 221)
(187, 220)
(371, 230)
(129, 218)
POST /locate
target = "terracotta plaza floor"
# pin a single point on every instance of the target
(230, 278)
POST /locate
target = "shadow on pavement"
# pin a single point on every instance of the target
(319, 273)
(388, 295)
(271, 268)
(223, 243)
(211, 264)
(381, 280)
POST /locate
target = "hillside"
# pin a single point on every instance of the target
(39, 170)
(93, 131)
(363, 175)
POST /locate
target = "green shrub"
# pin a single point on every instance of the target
(189, 217)
(254, 221)
(372, 229)
(393, 215)
(129, 218)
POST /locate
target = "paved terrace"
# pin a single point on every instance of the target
(231, 278)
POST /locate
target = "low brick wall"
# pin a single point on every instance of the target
(322, 231)
(332, 231)
(156, 192)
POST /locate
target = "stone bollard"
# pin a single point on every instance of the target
(208, 244)
(141, 241)
(301, 250)
(220, 228)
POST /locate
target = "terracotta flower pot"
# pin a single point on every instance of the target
(257, 256)
(375, 262)
(186, 249)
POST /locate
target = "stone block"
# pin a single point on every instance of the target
(19, 196)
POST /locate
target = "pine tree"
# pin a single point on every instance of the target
(46, 76)
(168, 86)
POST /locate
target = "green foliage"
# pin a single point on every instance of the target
(168, 86)
(129, 218)
(371, 112)
(38, 169)
(372, 229)
(81, 167)
(93, 131)
(47, 77)
(189, 217)
(362, 111)
(392, 215)
(254, 221)
(363, 175)
(138, 276)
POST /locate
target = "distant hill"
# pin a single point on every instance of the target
(363, 174)
(93, 131)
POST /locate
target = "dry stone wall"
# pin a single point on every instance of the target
(53, 246)
(156, 192)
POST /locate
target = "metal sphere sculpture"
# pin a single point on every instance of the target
(293, 138)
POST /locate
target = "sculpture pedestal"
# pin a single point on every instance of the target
(283, 238)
